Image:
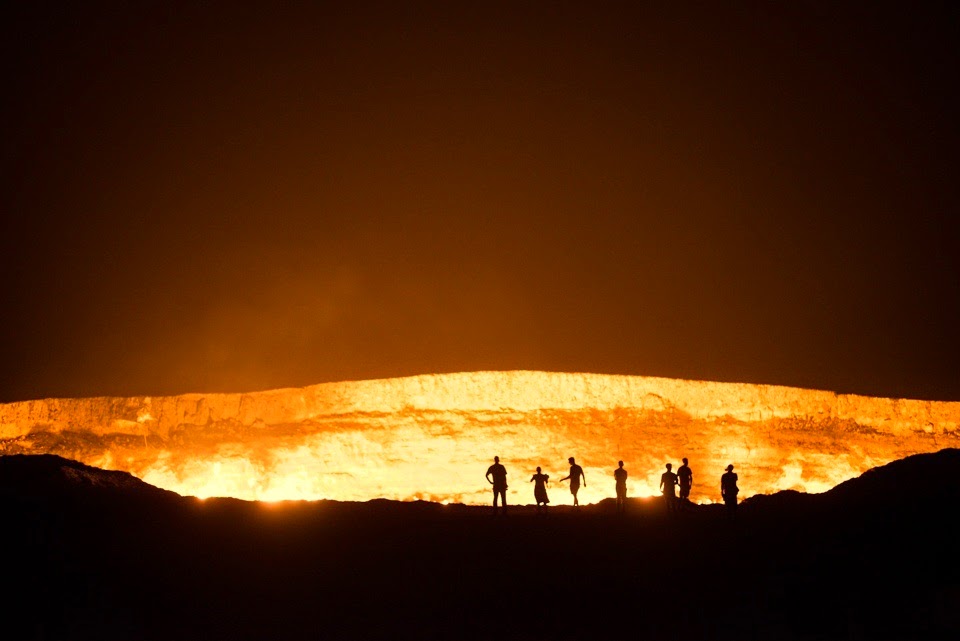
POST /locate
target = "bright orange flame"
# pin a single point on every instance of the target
(433, 437)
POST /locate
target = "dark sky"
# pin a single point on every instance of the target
(218, 197)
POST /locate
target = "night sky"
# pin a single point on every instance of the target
(228, 197)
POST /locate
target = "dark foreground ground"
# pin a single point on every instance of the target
(89, 554)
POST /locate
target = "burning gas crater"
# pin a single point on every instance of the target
(433, 437)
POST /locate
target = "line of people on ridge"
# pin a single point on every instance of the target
(669, 482)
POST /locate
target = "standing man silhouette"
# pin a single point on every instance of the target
(620, 475)
(576, 473)
(685, 476)
(729, 490)
(499, 482)
(668, 484)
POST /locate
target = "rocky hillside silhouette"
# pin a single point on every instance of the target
(921, 481)
(51, 477)
(98, 555)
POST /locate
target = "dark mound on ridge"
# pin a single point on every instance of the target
(917, 482)
(48, 477)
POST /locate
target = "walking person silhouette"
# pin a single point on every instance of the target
(729, 490)
(499, 482)
(668, 484)
(576, 473)
(685, 476)
(540, 481)
(620, 476)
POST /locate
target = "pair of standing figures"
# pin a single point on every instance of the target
(669, 482)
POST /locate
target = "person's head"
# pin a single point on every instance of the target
(571, 461)
(496, 459)
(669, 466)
(684, 461)
(730, 468)
(620, 463)
(538, 469)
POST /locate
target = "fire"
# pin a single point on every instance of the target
(433, 437)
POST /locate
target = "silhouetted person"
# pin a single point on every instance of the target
(685, 476)
(668, 485)
(539, 481)
(499, 482)
(620, 476)
(576, 473)
(729, 490)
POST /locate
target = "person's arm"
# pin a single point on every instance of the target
(584, 477)
(563, 479)
(661, 482)
(488, 478)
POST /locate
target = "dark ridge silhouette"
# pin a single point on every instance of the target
(50, 476)
(90, 554)
(921, 479)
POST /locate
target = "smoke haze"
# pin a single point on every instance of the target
(228, 197)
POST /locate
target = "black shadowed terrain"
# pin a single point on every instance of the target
(89, 554)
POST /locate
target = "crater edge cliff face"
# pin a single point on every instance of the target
(433, 437)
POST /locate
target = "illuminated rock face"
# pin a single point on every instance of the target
(433, 437)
